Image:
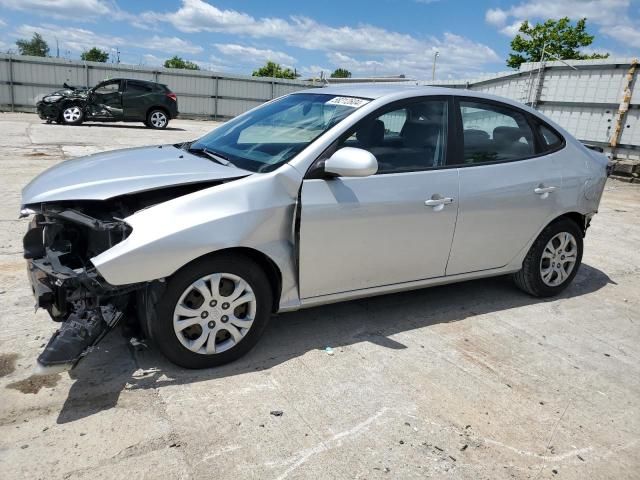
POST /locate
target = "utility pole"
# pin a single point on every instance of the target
(433, 72)
(57, 48)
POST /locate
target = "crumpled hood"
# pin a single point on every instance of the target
(119, 172)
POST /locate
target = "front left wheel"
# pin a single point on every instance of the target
(212, 312)
(72, 115)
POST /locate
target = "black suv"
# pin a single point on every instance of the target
(117, 100)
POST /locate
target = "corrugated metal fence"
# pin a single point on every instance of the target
(200, 93)
(598, 101)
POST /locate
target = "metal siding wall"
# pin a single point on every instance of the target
(196, 90)
(586, 86)
(585, 123)
(584, 101)
(509, 88)
(244, 89)
(631, 128)
(231, 108)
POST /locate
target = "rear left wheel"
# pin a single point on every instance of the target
(212, 312)
(552, 261)
(157, 119)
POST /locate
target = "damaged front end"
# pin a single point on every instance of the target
(50, 105)
(58, 247)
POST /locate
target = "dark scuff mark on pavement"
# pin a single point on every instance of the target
(34, 383)
(7, 363)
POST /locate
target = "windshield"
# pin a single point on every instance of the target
(274, 133)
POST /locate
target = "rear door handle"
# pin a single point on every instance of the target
(541, 190)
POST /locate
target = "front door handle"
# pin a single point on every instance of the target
(438, 202)
(541, 190)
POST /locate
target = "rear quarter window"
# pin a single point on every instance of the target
(550, 139)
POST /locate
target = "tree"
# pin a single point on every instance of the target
(177, 62)
(272, 69)
(36, 47)
(559, 39)
(341, 73)
(95, 55)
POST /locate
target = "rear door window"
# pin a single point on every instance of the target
(138, 87)
(494, 133)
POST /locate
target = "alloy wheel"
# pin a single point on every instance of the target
(158, 119)
(214, 313)
(558, 259)
(72, 114)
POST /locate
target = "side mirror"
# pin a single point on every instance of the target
(351, 162)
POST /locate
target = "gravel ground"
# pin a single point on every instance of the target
(474, 381)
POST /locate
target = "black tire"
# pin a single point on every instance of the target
(161, 327)
(529, 279)
(72, 115)
(157, 119)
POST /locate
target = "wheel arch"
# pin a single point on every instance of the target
(71, 102)
(268, 266)
(158, 107)
(578, 218)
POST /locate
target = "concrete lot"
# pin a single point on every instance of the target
(474, 381)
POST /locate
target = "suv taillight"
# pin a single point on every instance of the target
(172, 96)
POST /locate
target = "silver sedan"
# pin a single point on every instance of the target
(316, 197)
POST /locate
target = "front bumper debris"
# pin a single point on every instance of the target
(70, 288)
(74, 339)
(48, 111)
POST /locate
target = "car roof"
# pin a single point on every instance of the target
(134, 79)
(376, 91)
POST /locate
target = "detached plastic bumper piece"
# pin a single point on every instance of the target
(73, 339)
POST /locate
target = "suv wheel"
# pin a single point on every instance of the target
(212, 312)
(157, 119)
(72, 115)
(552, 261)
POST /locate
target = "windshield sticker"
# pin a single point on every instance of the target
(348, 101)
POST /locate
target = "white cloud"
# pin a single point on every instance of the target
(199, 16)
(80, 39)
(246, 54)
(171, 45)
(613, 17)
(150, 59)
(392, 51)
(512, 29)
(457, 55)
(496, 16)
(626, 34)
(303, 32)
(61, 8)
(70, 38)
(597, 11)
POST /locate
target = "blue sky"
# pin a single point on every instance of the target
(374, 37)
